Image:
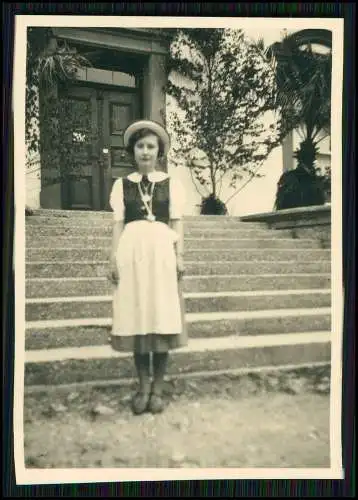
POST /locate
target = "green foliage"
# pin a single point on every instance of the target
(326, 179)
(303, 79)
(212, 206)
(306, 154)
(37, 40)
(302, 186)
(224, 90)
(51, 66)
(299, 188)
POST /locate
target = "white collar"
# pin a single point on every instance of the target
(155, 176)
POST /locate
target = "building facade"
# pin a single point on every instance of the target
(127, 81)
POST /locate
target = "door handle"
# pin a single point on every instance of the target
(104, 157)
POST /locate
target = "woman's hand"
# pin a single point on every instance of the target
(113, 274)
(180, 267)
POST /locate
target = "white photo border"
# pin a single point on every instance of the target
(61, 476)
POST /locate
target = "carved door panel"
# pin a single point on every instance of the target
(93, 154)
(119, 110)
(79, 115)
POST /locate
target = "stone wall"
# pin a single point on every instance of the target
(33, 186)
(322, 233)
(306, 222)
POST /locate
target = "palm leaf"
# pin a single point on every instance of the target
(303, 81)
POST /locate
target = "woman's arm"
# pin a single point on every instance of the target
(177, 201)
(116, 233)
(177, 226)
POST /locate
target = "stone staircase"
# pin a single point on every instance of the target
(255, 299)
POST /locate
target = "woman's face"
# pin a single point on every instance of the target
(146, 152)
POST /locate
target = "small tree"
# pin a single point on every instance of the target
(49, 115)
(224, 93)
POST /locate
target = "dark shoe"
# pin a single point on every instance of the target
(140, 403)
(156, 403)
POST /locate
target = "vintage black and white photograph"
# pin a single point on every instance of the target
(178, 253)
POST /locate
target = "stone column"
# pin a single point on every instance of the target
(287, 153)
(154, 97)
(155, 80)
(33, 166)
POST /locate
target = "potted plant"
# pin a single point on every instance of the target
(301, 187)
(212, 205)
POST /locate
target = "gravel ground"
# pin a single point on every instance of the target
(270, 421)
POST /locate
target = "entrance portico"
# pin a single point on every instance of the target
(125, 82)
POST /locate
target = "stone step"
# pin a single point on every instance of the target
(47, 334)
(313, 371)
(99, 269)
(107, 214)
(59, 212)
(71, 287)
(73, 214)
(101, 306)
(76, 365)
(94, 242)
(97, 221)
(34, 231)
(100, 254)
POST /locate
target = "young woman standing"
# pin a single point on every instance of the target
(146, 264)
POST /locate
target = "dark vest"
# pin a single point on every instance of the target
(134, 208)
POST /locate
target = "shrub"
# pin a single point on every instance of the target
(301, 187)
(211, 205)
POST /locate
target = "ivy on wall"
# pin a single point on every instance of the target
(57, 129)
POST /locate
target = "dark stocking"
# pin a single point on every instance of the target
(160, 363)
(142, 364)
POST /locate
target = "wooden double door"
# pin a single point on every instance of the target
(97, 157)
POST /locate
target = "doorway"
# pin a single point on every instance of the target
(98, 157)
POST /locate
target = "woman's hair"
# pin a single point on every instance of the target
(140, 134)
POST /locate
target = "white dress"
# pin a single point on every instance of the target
(147, 303)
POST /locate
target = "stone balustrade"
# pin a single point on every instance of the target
(304, 222)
